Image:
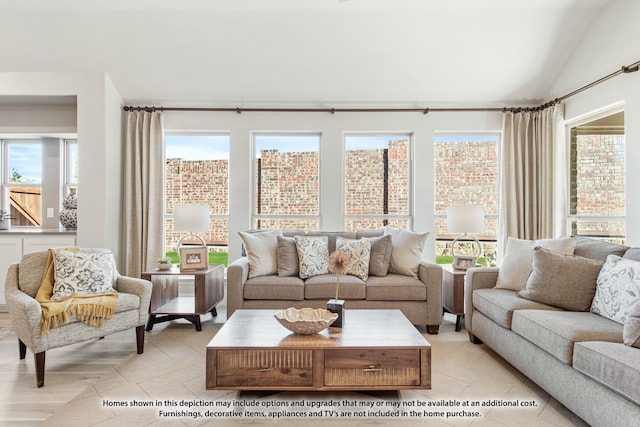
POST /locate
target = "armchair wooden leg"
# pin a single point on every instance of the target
(140, 338)
(433, 329)
(22, 349)
(39, 359)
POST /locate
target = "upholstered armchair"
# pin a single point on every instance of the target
(21, 286)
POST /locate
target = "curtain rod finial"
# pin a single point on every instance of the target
(629, 69)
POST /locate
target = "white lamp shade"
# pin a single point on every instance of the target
(465, 218)
(191, 217)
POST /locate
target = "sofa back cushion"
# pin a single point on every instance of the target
(597, 249)
(332, 236)
(31, 272)
(565, 281)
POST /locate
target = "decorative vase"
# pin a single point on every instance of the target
(69, 215)
(336, 306)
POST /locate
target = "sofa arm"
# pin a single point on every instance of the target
(430, 274)
(476, 278)
(237, 275)
(140, 287)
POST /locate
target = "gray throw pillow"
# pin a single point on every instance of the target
(631, 331)
(380, 257)
(287, 257)
(565, 281)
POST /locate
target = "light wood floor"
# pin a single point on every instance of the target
(78, 378)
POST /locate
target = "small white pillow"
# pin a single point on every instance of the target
(78, 273)
(359, 254)
(313, 255)
(517, 265)
(617, 288)
(406, 253)
(261, 247)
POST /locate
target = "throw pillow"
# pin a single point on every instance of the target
(313, 255)
(261, 250)
(406, 250)
(618, 288)
(565, 281)
(78, 273)
(359, 253)
(516, 265)
(380, 257)
(287, 255)
(631, 331)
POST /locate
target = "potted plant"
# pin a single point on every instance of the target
(5, 220)
(164, 264)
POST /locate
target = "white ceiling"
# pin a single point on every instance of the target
(303, 52)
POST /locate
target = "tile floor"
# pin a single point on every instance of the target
(83, 381)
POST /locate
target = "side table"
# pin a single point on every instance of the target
(453, 292)
(167, 302)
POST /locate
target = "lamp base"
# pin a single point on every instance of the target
(336, 306)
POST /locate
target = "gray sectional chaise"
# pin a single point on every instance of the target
(578, 357)
(419, 298)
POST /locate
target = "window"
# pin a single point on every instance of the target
(597, 179)
(71, 166)
(197, 171)
(377, 176)
(23, 181)
(466, 172)
(286, 181)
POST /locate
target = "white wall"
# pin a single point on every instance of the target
(610, 43)
(98, 124)
(332, 127)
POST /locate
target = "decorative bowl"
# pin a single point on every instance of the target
(165, 266)
(305, 321)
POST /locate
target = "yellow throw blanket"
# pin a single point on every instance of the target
(90, 309)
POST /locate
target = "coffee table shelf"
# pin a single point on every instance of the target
(374, 350)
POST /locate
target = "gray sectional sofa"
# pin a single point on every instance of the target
(577, 356)
(280, 284)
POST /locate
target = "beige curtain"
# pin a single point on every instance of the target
(144, 201)
(532, 178)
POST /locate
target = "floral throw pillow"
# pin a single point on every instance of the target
(78, 273)
(617, 288)
(359, 253)
(313, 255)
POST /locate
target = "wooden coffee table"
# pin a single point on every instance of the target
(374, 350)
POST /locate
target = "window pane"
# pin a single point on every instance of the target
(466, 172)
(286, 175)
(25, 162)
(72, 162)
(377, 181)
(197, 171)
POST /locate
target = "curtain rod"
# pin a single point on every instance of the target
(239, 110)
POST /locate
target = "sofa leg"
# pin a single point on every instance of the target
(474, 339)
(140, 338)
(433, 329)
(22, 349)
(39, 360)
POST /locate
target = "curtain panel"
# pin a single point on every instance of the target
(144, 202)
(533, 165)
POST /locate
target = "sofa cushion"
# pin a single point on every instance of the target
(632, 253)
(380, 257)
(261, 248)
(332, 236)
(395, 287)
(369, 233)
(359, 252)
(406, 252)
(565, 281)
(499, 305)
(275, 288)
(313, 255)
(556, 332)
(324, 287)
(287, 257)
(517, 265)
(597, 249)
(618, 288)
(612, 364)
(631, 331)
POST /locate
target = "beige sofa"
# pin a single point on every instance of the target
(419, 297)
(578, 357)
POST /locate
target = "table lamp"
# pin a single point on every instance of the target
(463, 220)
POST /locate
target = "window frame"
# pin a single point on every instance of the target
(409, 217)
(256, 217)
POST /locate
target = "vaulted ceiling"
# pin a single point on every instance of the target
(320, 52)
